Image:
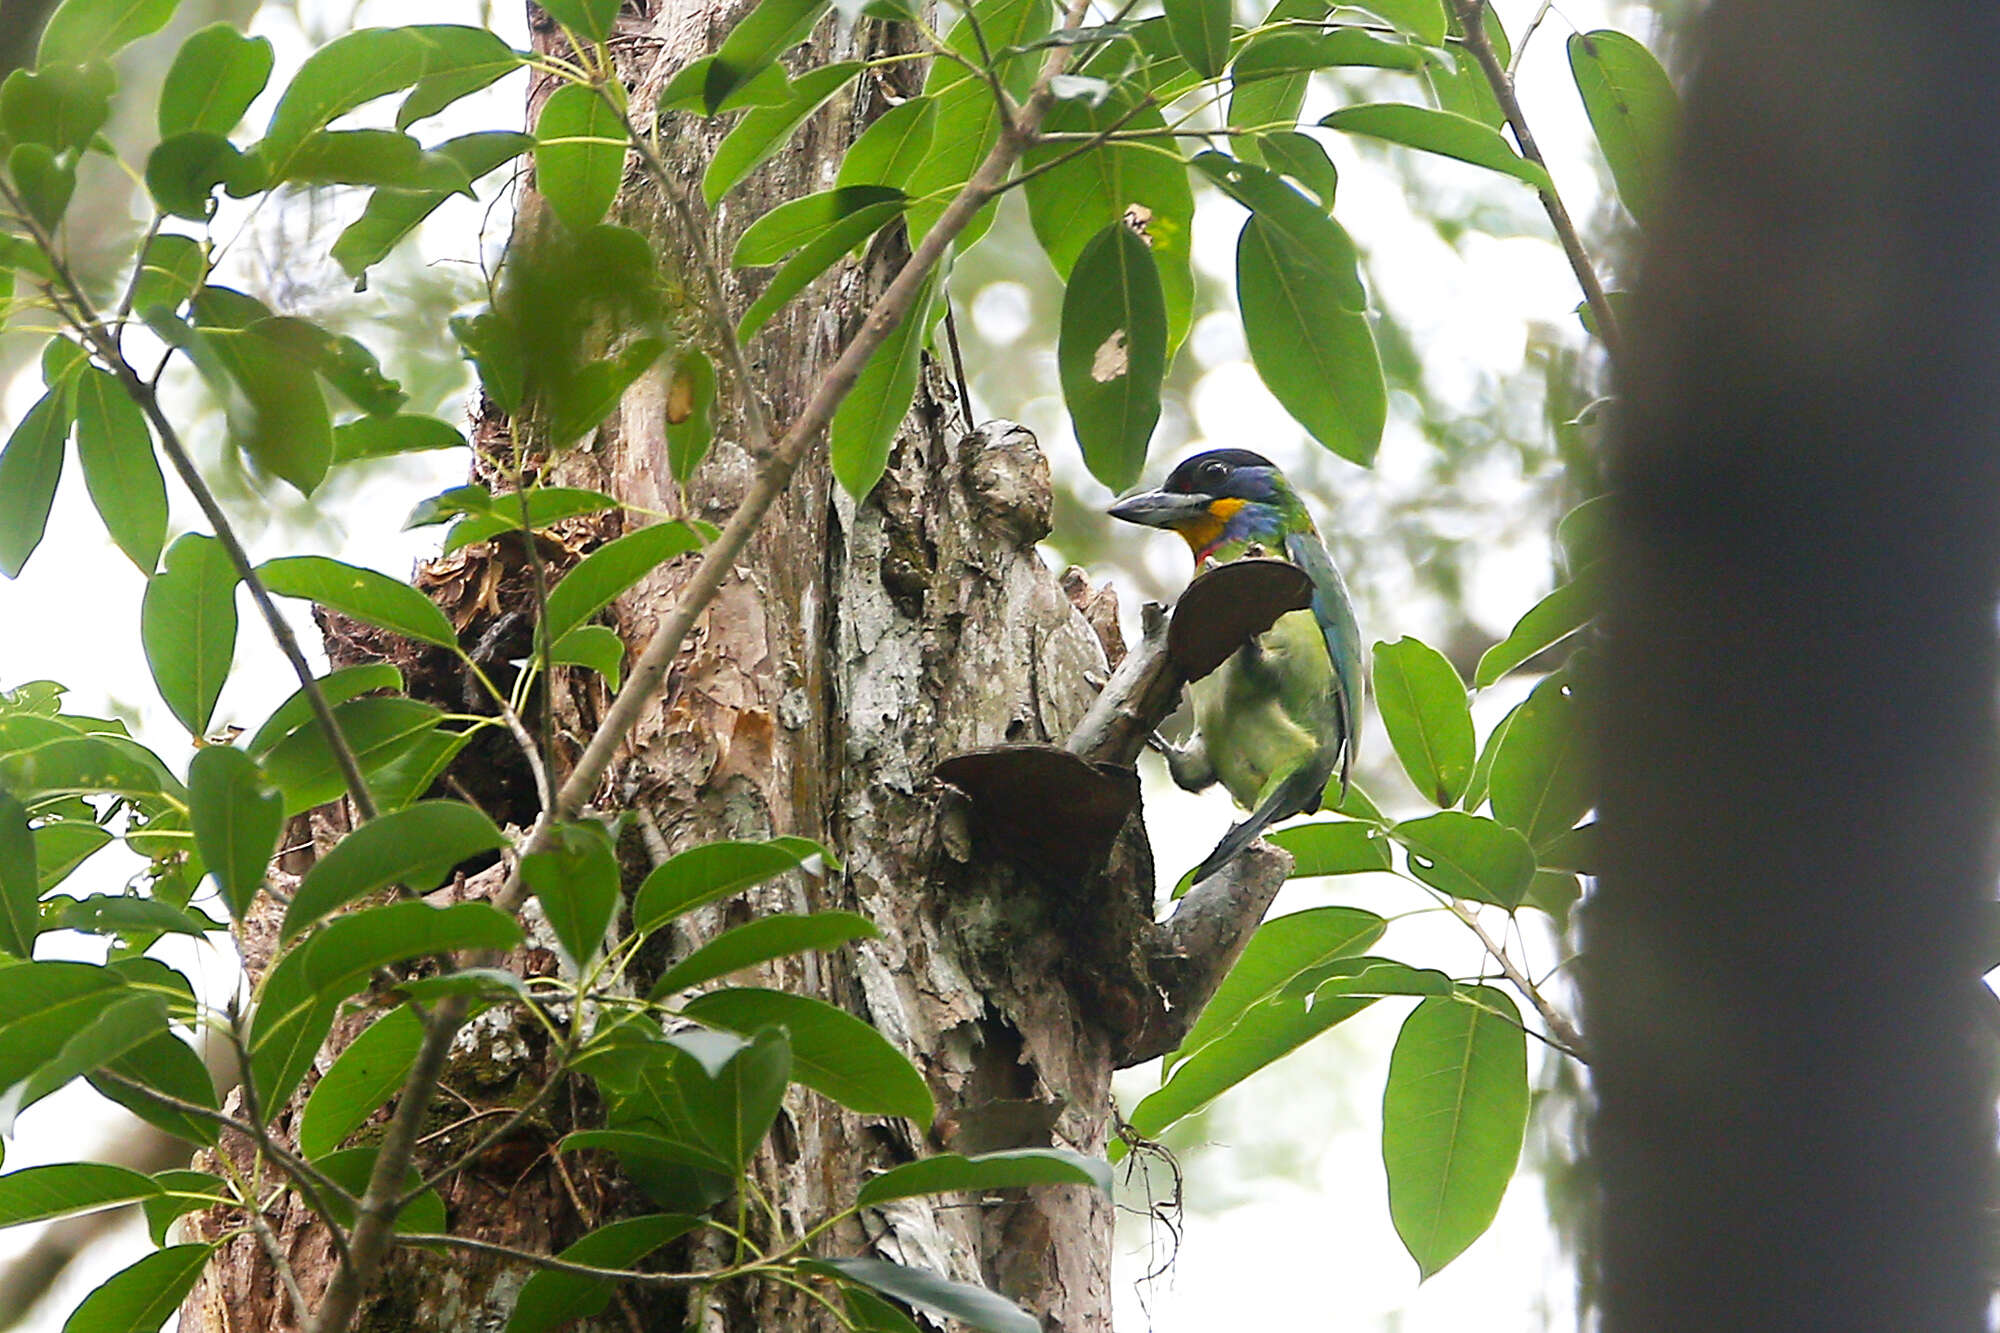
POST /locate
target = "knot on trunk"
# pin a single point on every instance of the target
(1007, 481)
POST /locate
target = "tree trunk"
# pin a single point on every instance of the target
(855, 647)
(1782, 966)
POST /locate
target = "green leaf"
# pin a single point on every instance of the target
(363, 65)
(80, 764)
(1541, 773)
(775, 936)
(377, 730)
(171, 268)
(542, 505)
(58, 107)
(579, 155)
(974, 1306)
(361, 593)
(949, 1173)
(337, 686)
(892, 147)
(183, 170)
(1200, 29)
(1291, 52)
(1304, 159)
(1112, 353)
(1429, 722)
(576, 879)
(1317, 357)
(812, 259)
(130, 1019)
(593, 646)
(20, 882)
(1315, 238)
(700, 875)
(867, 420)
(237, 818)
(551, 1299)
(30, 466)
(1255, 103)
(119, 469)
(1468, 856)
(142, 1296)
(280, 417)
(182, 1192)
(1071, 204)
(367, 1074)
(1266, 1030)
(590, 20)
(833, 1052)
(216, 75)
(579, 402)
(386, 159)
(83, 30)
(1454, 1110)
(1635, 112)
(187, 622)
(1421, 19)
(1333, 847)
(767, 32)
(800, 221)
(1548, 622)
(765, 129)
(61, 846)
(1279, 951)
(1445, 133)
(340, 957)
(393, 214)
(968, 123)
(690, 397)
(44, 183)
(416, 848)
(732, 1107)
(351, 1168)
(166, 1063)
(612, 568)
(44, 1193)
(382, 437)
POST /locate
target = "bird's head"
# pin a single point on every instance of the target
(1222, 503)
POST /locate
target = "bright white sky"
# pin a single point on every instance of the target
(1287, 1224)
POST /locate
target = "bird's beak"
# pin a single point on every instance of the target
(1161, 509)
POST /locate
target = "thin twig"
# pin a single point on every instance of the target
(1472, 20)
(1567, 1038)
(957, 357)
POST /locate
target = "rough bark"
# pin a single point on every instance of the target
(856, 647)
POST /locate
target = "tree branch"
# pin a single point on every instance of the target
(1472, 18)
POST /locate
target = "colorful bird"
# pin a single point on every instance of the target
(1282, 714)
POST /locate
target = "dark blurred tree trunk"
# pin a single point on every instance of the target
(1792, 1128)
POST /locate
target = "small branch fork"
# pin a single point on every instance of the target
(1472, 19)
(372, 1235)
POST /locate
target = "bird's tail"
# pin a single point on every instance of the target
(1290, 797)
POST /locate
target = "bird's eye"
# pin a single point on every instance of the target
(1214, 470)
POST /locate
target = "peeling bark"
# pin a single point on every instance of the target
(856, 646)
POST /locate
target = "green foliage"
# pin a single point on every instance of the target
(1113, 352)
(1453, 1113)
(690, 1080)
